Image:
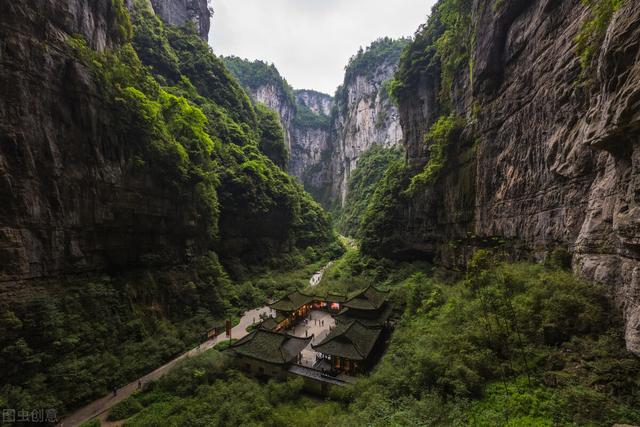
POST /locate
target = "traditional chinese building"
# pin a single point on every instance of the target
(349, 347)
(268, 353)
(370, 307)
(274, 323)
(292, 307)
(297, 305)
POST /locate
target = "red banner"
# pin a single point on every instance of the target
(228, 326)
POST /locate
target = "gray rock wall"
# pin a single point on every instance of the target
(181, 12)
(544, 160)
(70, 200)
(368, 118)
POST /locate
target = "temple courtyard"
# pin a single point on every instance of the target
(327, 339)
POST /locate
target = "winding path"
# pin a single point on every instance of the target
(102, 405)
(317, 277)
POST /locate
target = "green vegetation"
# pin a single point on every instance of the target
(380, 219)
(441, 49)
(71, 342)
(507, 344)
(272, 136)
(92, 423)
(594, 29)
(362, 185)
(125, 409)
(307, 119)
(186, 124)
(437, 139)
(502, 344)
(384, 51)
(254, 74)
(206, 391)
(121, 24)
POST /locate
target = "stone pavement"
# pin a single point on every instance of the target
(102, 405)
(313, 327)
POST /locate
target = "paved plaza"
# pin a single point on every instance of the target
(317, 323)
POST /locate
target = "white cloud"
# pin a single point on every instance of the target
(310, 41)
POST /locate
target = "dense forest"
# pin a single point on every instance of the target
(512, 290)
(191, 126)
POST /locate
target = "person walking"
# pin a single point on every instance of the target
(139, 384)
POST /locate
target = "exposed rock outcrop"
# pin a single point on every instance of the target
(312, 141)
(366, 116)
(327, 135)
(181, 12)
(544, 160)
(69, 199)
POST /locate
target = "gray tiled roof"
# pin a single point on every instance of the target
(270, 346)
(292, 302)
(376, 319)
(367, 299)
(351, 340)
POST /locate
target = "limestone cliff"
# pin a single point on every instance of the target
(69, 199)
(366, 115)
(327, 135)
(102, 169)
(312, 141)
(548, 153)
(182, 12)
(265, 85)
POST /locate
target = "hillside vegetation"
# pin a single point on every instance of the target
(189, 124)
(499, 344)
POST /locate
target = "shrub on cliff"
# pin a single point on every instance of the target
(362, 185)
(440, 135)
(378, 224)
(272, 136)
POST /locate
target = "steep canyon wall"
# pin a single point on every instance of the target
(548, 156)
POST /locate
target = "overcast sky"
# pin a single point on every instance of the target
(310, 41)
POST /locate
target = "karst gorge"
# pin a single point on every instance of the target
(451, 238)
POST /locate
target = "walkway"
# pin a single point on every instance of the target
(319, 324)
(317, 277)
(102, 405)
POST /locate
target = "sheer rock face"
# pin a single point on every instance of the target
(181, 12)
(279, 102)
(367, 117)
(546, 161)
(317, 102)
(312, 144)
(70, 200)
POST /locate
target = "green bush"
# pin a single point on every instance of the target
(93, 423)
(378, 223)
(362, 184)
(272, 136)
(594, 29)
(437, 139)
(125, 409)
